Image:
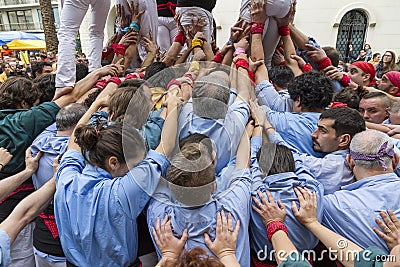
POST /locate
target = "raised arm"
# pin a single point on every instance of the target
(243, 151)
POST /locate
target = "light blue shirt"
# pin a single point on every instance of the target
(281, 186)
(351, 212)
(225, 133)
(200, 220)
(278, 101)
(5, 258)
(96, 214)
(332, 171)
(51, 145)
(295, 128)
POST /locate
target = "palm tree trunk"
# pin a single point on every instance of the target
(49, 25)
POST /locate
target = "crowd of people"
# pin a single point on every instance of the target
(162, 149)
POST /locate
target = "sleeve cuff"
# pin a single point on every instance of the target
(160, 159)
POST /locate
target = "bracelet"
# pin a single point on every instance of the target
(257, 27)
(194, 66)
(115, 80)
(196, 42)
(119, 48)
(134, 26)
(218, 58)
(284, 30)
(324, 63)
(274, 227)
(269, 128)
(257, 125)
(230, 42)
(239, 51)
(126, 29)
(180, 38)
(241, 62)
(306, 68)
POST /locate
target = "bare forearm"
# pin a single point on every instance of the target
(28, 209)
(169, 131)
(244, 85)
(243, 152)
(149, 59)
(289, 48)
(257, 53)
(299, 38)
(282, 245)
(172, 53)
(9, 184)
(184, 57)
(207, 49)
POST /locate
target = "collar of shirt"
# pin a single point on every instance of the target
(96, 172)
(371, 181)
(342, 152)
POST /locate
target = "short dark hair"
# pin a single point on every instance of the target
(81, 71)
(69, 116)
(15, 90)
(385, 99)
(350, 96)
(347, 120)
(314, 90)
(274, 159)
(154, 68)
(281, 75)
(46, 86)
(38, 66)
(197, 138)
(210, 97)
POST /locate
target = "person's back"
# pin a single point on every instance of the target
(351, 212)
(190, 203)
(274, 169)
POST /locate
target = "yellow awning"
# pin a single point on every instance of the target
(27, 45)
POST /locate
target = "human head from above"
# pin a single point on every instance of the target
(311, 92)
(68, 117)
(103, 146)
(131, 102)
(362, 73)
(390, 83)
(210, 96)
(275, 159)
(195, 257)
(336, 127)
(17, 93)
(350, 97)
(332, 54)
(371, 153)
(192, 171)
(394, 113)
(374, 107)
(280, 77)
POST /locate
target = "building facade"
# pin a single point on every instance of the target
(24, 15)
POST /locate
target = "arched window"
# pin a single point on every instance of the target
(351, 32)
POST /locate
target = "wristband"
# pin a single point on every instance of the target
(338, 104)
(173, 82)
(284, 30)
(180, 38)
(218, 57)
(230, 42)
(239, 51)
(189, 76)
(306, 68)
(268, 128)
(241, 62)
(252, 77)
(194, 66)
(134, 26)
(101, 84)
(345, 80)
(119, 49)
(126, 29)
(106, 51)
(324, 63)
(256, 27)
(274, 227)
(196, 42)
(115, 80)
(283, 63)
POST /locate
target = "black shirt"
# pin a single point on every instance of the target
(206, 4)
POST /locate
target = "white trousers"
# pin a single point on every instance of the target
(276, 8)
(186, 20)
(148, 23)
(167, 31)
(72, 14)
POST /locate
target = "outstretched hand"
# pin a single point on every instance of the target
(267, 209)
(390, 228)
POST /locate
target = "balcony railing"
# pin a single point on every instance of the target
(4, 3)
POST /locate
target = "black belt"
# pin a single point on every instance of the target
(136, 263)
